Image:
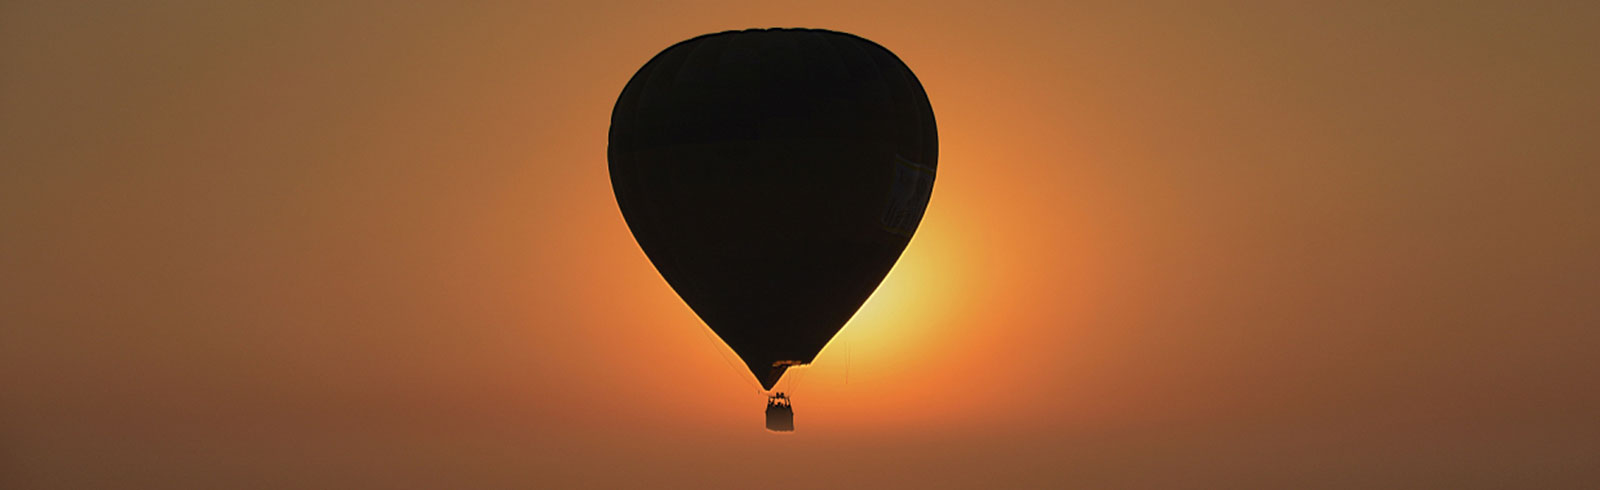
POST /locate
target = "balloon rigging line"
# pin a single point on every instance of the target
(799, 378)
(736, 371)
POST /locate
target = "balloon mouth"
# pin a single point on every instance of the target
(776, 373)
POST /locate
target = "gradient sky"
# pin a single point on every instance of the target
(1233, 245)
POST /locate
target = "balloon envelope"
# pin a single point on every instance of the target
(773, 177)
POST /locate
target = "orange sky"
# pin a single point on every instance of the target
(254, 245)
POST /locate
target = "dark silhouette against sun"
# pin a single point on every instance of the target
(774, 176)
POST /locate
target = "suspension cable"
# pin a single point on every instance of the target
(737, 371)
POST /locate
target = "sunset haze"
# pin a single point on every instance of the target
(1171, 245)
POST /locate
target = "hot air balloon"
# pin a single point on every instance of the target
(773, 177)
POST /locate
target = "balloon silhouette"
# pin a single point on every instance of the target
(773, 176)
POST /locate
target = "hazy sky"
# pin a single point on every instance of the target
(1230, 245)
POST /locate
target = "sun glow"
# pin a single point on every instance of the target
(914, 316)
